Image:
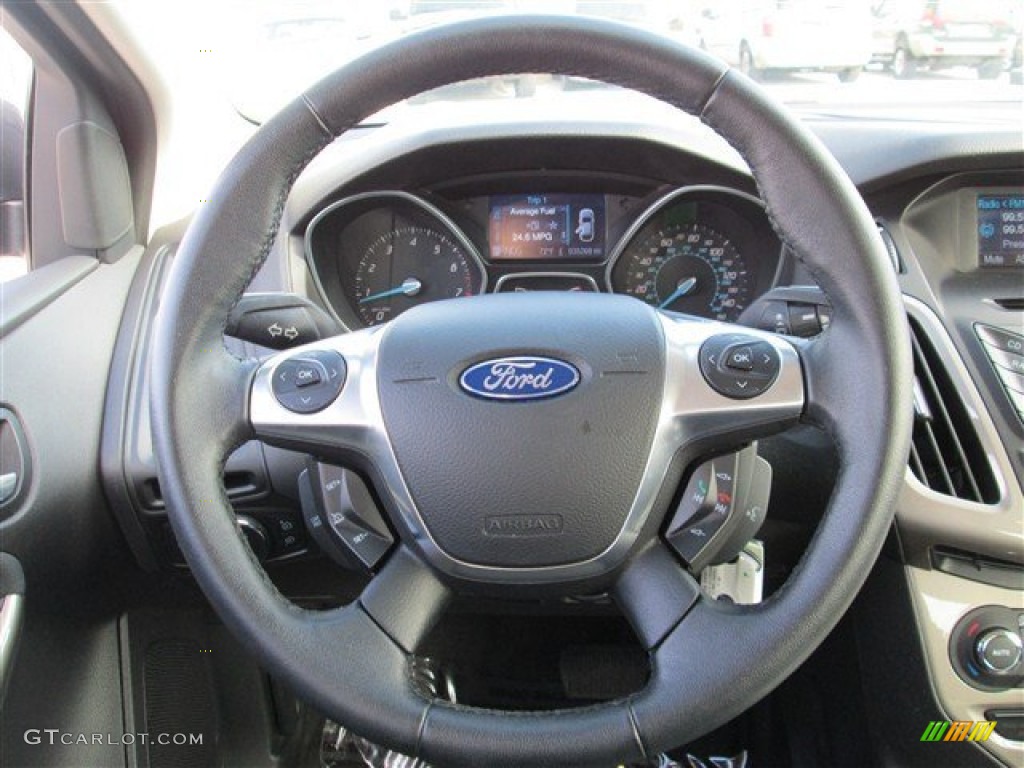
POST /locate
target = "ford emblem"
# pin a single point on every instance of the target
(519, 378)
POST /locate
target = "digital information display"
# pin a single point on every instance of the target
(547, 228)
(1001, 230)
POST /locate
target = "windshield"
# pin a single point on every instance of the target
(903, 57)
(230, 64)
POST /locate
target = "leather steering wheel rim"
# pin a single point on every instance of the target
(352, 663)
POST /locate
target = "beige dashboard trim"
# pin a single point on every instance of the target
(939, 602)
(926, 518)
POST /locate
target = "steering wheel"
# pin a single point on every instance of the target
(599, 463)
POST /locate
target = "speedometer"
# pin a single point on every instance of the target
(407, 266)
(686, 267)
(702, 250)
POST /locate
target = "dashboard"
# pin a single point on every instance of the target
(390, 217)
(449, 201)
(672, 218)
(703, 250)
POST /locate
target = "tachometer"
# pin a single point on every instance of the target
(686, 267)
(407, 266)
(377, 254)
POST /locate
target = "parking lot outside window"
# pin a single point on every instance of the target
(15, 89)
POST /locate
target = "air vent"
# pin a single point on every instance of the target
(946, 454)
(1013, 303)
(235, 483)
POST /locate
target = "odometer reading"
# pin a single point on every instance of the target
(407, 266)
(686, 267)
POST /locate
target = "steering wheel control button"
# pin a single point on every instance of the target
(722, 508)
(750, 504)
(309, 382)
(308, 375)
(292, 375)
(693, 539)
(738, 366)
(986, 648)
(765, 360)
(704, 508)
(342, 516)
(999, 651)
(740, 359)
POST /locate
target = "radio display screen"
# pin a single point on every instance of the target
(1001, 230)
(556, 227)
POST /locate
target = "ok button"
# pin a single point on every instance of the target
(740, 359)
(308, 375)
(297, 374)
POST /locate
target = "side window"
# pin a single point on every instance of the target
(15, 89)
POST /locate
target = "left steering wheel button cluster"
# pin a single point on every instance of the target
(739, 366)
(309, 382)
(342, 515)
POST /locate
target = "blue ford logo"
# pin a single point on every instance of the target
(519, 378)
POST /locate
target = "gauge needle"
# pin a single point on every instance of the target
(684, 287)
(409, 287)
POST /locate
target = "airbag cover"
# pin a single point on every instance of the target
(530, 482)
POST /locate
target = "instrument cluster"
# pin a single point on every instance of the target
(702, 250)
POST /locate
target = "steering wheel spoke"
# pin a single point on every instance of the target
(726, 384)
(405, 599)
(322, 398)
(655, 593)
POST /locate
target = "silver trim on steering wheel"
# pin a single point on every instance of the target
(354, 422)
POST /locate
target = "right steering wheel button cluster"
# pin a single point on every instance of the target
(739, 366)
(721, 509)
